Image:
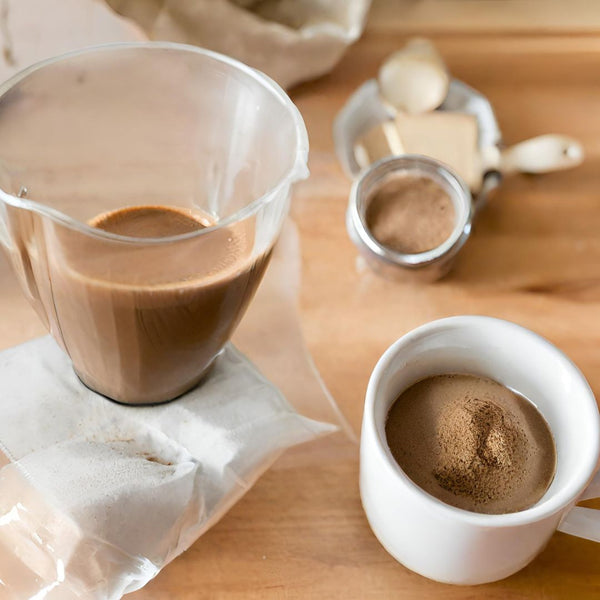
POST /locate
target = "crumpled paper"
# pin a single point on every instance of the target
(289, 40)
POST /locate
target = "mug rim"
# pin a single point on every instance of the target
(539, 511)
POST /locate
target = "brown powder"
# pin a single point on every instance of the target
(410, 214)
(472, 443)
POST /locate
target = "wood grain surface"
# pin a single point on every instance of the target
(534, 258)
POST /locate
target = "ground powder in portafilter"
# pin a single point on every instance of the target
(410, 214)
(472, 443)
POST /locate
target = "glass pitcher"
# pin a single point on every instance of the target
(155, 125)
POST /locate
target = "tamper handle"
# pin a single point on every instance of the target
(540, 154)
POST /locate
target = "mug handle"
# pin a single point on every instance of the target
(584, 522)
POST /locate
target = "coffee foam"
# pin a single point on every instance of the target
(216, 255)
(472, 443)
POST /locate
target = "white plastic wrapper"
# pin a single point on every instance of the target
(96, 497)
(128, 488)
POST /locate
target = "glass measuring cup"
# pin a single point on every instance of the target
(155, 124)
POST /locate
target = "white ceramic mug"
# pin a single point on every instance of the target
(456, 546)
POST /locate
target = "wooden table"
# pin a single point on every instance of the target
(534, 258)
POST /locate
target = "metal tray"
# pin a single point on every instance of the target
(365, 109)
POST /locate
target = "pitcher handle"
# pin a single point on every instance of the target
(584, 522)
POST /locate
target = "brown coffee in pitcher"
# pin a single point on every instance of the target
(142, 323)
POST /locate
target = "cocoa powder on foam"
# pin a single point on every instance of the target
(472, 443)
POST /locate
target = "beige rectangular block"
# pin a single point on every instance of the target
(449, 137)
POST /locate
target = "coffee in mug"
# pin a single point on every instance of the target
(431, 535)
(472, 443)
